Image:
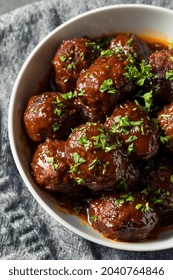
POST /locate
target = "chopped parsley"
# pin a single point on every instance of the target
(93, 163)
(107, 86)
(55, 127)
(79, 180)
(130, 148)
(148, 100)
(100, 140)
(108, 52)
(84, 142)
(129, 42)
(71, 66)
(78, 161)
(105, 167)
(123, 123)
(164, 139)
(131, 138)
(62, 57)
(57, 112)
(51, 161)
(143, 208)
(68, 95)
(171, 179)
(139, 76)
(165, 117)
(169, 75)
(94, 218)
(127, 197)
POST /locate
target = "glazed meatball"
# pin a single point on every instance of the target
(125, 217)
(95, 162)
(134, 129)
(49, 115)
(50, 169)
(103, 85)
(161, 82)
(159, 184)
(130, 46)
(165, 119)
(72, 57)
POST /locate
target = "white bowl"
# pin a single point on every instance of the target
(140, 19)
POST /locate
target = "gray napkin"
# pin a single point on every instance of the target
(26, 230)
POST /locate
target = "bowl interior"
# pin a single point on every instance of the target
(140, 19)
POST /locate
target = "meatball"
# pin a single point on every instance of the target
(161, 82)
(165, 119)
(49, 168)
(95, 162)
(134, 129)
(49, 115)
(103, 85)
(131, 46)
(159, 182)
(72, 57)
(125, 217)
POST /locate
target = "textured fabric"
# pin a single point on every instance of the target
(26, 230)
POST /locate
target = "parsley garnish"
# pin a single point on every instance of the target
(71, 66)
(131, 138)
(93, 163)
(130, 148)
(123, 123)
(94, 218)
(84, 142)
(169, 75)
(143, 208)
(108, 52)
(55, 127)
(62, 57)
(57, 112)
(139, 76)
(171, 179)
(165, 117)
(129, 42)
(51, 161)
(107, 86)
(164, 139)
(148, 100)
(79, 180)
(127, 197)
(105, 167)
(78, 160)
(68, 95)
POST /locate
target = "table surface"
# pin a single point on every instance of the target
(9, 5)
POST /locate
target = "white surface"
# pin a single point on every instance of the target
(132, 18)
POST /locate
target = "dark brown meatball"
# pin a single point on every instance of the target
(134, 129)
(95, 162)
(130, 46)
(103, 85)
(49, 115)
(161, 83)
(159, 182)
(165, 119)
(50, 169)
(126, 217)
(72, 57)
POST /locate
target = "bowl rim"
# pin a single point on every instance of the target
(129, 246)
